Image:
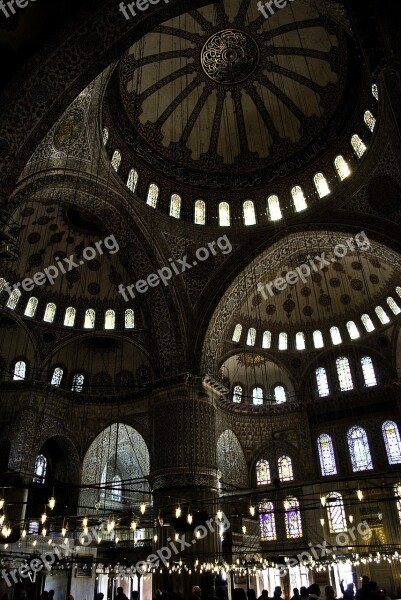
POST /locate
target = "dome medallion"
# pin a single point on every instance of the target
(230, 56)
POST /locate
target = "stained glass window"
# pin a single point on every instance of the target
(300, 341)
(116, 492)
(250, 340)
(344, 374)
(110, 319)
(69, 318)
(129, 319)
(321, 185)
(267, 340)
(279, 394)
(298, 198)
(2, 284)
(342, 167)
(322, 383)
(263, 472)
(224, 214)
(57, 376)
(285, 472)
(90, 316)
(318, 339)
(249, 213)
(40, 469)
(200, 212)
(383, 316)
(77, 382)
(19, 370)
(273, 208)
(282, 341)
(393, 305)
(175, 206)
(369, 119)
(358, 444)
(335, 335)
(367, 323)
(352, 330)
(50, 313)
(31, 307)
(358, 145)
(105, 136)
(326, 455)
(237, 394)
(397, 492)
(257, 396)
(267, 522)
(375, 91)
(392, 442)
(13, 299)
(237, 333)
(132, 180)
(336, 513)
(368, 371)
(116, 160)
(293, 523)
(153, 195)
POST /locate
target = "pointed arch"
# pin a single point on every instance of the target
(358, 444)
(392, 442)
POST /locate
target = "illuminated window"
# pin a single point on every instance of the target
(132, 180)
(342, 167)
(77, 382)
(263, 472)
(335, 335)
(392, 442)
(116, 160)
(375, 91)
(175, 206)
(69, 318)
(367, 323)
(393, 306)
(285, 472)
(249, 213)
(358, 145)
(57, 376)
(383, 316)
(293, 523)
(352, 330)
(282, 341)
(13, 299)
(358, 444)
(237, 333)
(368, 371)
(322, 383)
(300, 341)
(298, 199)
(129, 319)
(318, 339)
(344, 374)
(273, 208)
(105, 136)
(369, 120)
(397, 492)
(110, 319)
(90, 316)
(116, 492)
(267, 522)
(237, 395)
(2, 284)
(336, 513)
(50, 313)
(224, 214)
(40, 469)
(153, 195)
(19, 370)
(250, 340)
(279, 394)
(200, 212)
(326, 455)
(31, 307)
(321, 185)
(267, 340)
(257, 396)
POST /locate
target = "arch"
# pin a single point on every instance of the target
(382, 315)
(344, 374)
(19, 371)
(175, 206)
(273, 208)
(285, 470)
(224, 214)
(282, 341)
(116, 160)
(321, 185)
(280, 395)
(90, 317)
(267, 522)
(368, 371)
(132, 180)
(318, 339)
(50, 312)
(336, 513)
(367, 323)
(257, 396)
(335, 335)
(231, 461)
(300, 341)
(129, 319)
(110, 319)
(293, 522)
(263, 476)
(392, 442)
(200, 212)
(13, 299)
(395, 309)
(249, 213)
(298, 198)
(267, 340)
(358, 146)
(353, 331)
(326, 455)
(31, 307)
(57, 376)
(153, 195)
(69, 318)
(342, 167)
(358, 444)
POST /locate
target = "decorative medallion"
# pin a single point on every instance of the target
(230, 56)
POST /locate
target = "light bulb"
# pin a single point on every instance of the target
(323, 500)
(133, 525)
(178, 512)
(198, 534)
(2, 517)
(189, 518)
(143, 508)
(117, 540)
(52, 502)
(63, 532)
(43, 518)
(1, 503)
(351, 518)
(34, 543)
(112, 524)
(23, 533)
(322, 522)
(155, 538)
(359, 493)
(219, 514)
(86, 530)
(49, 542)
(44, 531)
(176, 537)
(99, 539)
(85, 522)
(252, 510)
(244, 529)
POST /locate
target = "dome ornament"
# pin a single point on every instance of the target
(230, 56)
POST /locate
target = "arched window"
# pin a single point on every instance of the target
(50, 313)
(335, 335)
(322, 383)
(359, 450)
(224, 214)
(2, 284)
(237, 333)
(250, 340)
(200, 212)
(116, 160)
(279, 394)
(77, 382)
(318, 339)
(397, 492)
(105, 136)
(352, 330)
(398, 290)
(392, 442)
(19, 370)
(285, 472)
(375, 91)
(267, 522)
(300, 341)
(263, 472)
(153, 195)
(326, 455)
(293, 523)
(367, 323)
(175, 206)
(369, 120)
(383, 316)
(342, 167)
(273, 208)
(129, 321)
(267, 340)
(69, 318)
(321, 185)
(249, 213)
(257, 396)
(57, 376)
(13, 299)
(132, 180)
(393, 306)
(31, 307)
(368, 371)
(237, 394)
(358, 146)
(336, 513)
(110, 319)
(282, 341)
(344, 374)
(298, 199)
(90, 317)
(39, 472)
(116, 491)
